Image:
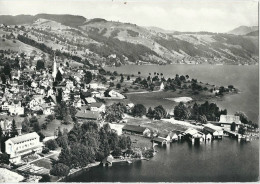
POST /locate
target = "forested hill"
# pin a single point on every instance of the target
(116, 43)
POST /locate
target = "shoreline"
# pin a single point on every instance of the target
(89, 166)
(152, 64)
(77, 171)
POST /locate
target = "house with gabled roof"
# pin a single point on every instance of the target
(226, 121)
(133, 129)
(97, 106)
(87, 115)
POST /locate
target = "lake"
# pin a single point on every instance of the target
(218, 161)
(245, 78)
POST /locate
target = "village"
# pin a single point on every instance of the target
(45, 95)
(38, 102)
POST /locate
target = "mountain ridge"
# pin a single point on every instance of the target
(243, 30)
(100, 39)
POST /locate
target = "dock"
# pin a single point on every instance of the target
(232, 134)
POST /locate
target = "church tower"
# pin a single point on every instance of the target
(54, 69)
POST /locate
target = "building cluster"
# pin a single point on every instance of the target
(32, 92)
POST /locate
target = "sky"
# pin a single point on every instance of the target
(178, 15)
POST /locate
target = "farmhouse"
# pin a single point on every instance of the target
(133, 129)
(87, 115)
(226, 121)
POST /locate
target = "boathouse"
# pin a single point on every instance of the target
(108, 161)
(194, 135)
(215, 131)
(159, 140)
(208, 137)
(165, 136)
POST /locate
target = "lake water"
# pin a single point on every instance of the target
(218, 161)
(245, 78)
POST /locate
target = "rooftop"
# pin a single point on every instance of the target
(24, 137)
(88, 115)
(134, 128)
(229, 119)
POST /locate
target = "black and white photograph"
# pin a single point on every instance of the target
(129, 91)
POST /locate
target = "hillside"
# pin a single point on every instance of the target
(243, 30)
(114, 43)
(253, 33)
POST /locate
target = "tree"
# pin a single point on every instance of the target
(60, 170)
(150, 113)
(181, 111)
(51, 144)
(203, 119)
(41, 135)
(40, 65)
(128, 77)
(4, 158)
(114, 112)
(104, 149)
(59, 96)
(26, 125)
(88, 77)
(58, 76)
(111, 84)
(45, 178)
(242, 130)
(159, 112)
(36, 126)
(3, 78)
(233, 127)
(118, 85)
(62, 141)
(242, 116)
(7, 70)
(124, 142)
(65, 157)
(82, 155)
(122, 79)
(139, 110)
(14, 131)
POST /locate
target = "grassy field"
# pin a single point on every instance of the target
(140, 142)
(158, 125)
(9, 44)
(53, 125)
(46, 163)
(154, 99)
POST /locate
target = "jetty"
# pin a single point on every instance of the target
(232, 134)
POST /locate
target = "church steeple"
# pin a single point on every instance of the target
(54, 68)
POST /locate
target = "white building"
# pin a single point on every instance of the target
(16, 108)
(114, 94)
(25, 144)
(227, 120)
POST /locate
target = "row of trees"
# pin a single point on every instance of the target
(115, 112)
(200, 112)
(86, 144)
